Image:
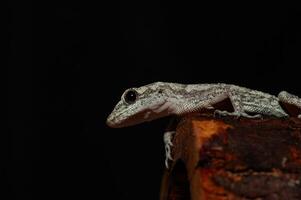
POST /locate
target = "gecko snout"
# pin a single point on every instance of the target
(110, 122)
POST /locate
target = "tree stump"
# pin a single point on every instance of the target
(234, 159)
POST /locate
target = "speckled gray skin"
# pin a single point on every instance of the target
(161, 99)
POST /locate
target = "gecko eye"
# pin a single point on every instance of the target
(130, 96)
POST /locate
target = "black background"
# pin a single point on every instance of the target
(71, 60)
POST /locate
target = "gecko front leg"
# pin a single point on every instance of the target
(168, 144)
(288, 98)
(237, 105)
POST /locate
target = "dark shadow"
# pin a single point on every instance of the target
(178, 187)
(292, 110)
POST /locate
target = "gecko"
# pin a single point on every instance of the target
(160, 99)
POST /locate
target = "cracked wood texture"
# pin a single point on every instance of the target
(234, 159)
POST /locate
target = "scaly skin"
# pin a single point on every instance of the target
(161, 99)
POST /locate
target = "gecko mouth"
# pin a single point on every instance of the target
(120, 122)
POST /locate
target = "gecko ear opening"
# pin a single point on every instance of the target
(130, 96)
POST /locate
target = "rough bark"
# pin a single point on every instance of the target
(229, 158)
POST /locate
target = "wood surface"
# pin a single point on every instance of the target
(221, 158)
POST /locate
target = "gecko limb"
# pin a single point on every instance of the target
(237, 105)
(291, 99)
(168, 144)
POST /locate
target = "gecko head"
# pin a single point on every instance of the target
(138, 105)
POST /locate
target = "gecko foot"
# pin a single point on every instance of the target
(236, 114)
(299, 116)
(168, 143)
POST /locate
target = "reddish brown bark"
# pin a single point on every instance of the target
(230, 158)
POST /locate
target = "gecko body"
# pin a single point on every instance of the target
(162, 99)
